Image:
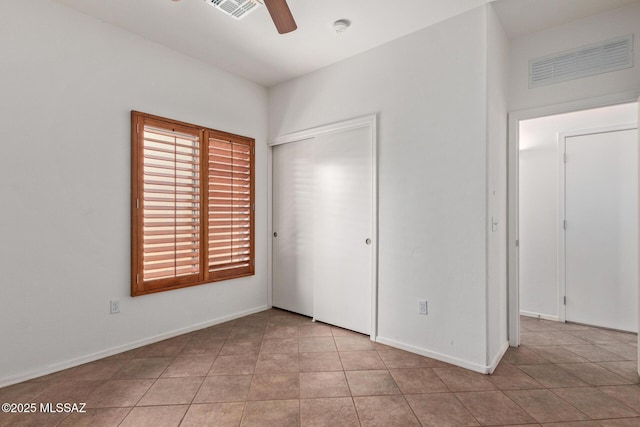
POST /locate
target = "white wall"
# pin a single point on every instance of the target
(539, 211)
(594, 29)
(429, 90)
(497, 80)
(68, 84)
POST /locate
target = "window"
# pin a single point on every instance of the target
(192, 205)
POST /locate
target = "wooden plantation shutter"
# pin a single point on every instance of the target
(230, 206)
(192, 205)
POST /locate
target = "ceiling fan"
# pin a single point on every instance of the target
(278, 9)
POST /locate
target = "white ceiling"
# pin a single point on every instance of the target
(252, 48)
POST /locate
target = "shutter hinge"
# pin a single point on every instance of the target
(564, 224)
(137, 127)
(253, 150)
(564, 300)
(137, 278)
(253, 207)
(564, 157)
(137, 203)
(253, 262)
(517, 243)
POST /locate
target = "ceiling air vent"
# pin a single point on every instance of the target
(598, 58)
(236, 8)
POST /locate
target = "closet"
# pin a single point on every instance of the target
(324, 216)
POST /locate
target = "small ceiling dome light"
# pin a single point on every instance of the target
(341, 25)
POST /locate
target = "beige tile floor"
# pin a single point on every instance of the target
(279, 369)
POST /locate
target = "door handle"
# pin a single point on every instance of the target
(368, 241)
(275, 234)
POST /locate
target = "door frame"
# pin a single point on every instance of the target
(306, 134)
(562, 200)
(513, 149)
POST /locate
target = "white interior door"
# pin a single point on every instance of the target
(293, 213)
(343, 224)
(601, 237)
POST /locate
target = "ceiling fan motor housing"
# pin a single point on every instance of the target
(236, 8)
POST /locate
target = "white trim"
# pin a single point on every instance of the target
(443, 357)
(639, 250)
(540, 316)
(513, 148)
(573, 106)
(374, 231)
(604, 129)
(269, 227)
(302, 135)
(561, 271)
(562, 185)
(496, 360)
(513, 250)
(359, 122)
(7, 381)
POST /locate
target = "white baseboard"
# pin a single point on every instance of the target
(539, 315)
(438, 356)
(498, 357)
(7, 381)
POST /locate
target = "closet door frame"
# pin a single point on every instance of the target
(360, 122)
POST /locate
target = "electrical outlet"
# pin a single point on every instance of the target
(422, 307)
(115, 306)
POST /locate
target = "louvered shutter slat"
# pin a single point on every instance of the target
(170, 204)
(230, 211)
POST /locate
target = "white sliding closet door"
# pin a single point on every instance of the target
(343, 222)
(293, 207)
(323, 223)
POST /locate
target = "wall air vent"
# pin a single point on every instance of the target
(611, 55)
(236, 8)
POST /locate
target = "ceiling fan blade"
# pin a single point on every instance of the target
(281, 15)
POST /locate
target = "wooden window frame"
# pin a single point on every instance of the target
(205, 136)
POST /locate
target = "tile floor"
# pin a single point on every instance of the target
(278, 369)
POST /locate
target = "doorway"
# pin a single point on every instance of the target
(536, 234)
